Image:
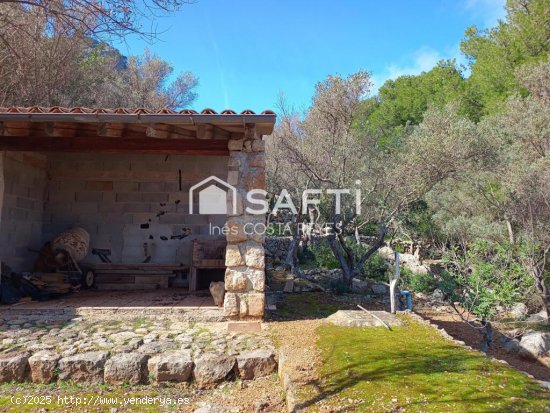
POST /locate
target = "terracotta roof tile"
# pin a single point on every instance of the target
(126, 111)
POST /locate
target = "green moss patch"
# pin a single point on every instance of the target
(414, 369)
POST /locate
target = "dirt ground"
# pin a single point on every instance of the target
(461, 331)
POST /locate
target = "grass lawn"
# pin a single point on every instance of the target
(413, 369)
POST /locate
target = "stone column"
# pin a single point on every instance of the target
(245, 257)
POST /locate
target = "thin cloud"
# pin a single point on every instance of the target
(488, 11)
(421, 60)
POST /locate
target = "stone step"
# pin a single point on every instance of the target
(203, 314)
(206, 371)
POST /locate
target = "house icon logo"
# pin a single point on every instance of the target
(213, 199)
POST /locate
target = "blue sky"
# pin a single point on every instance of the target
(246, 52)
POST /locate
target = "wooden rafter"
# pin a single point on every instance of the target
(101, 144)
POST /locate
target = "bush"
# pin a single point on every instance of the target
(376, 268)
(489, 275)
(324, 257)
(420, 283)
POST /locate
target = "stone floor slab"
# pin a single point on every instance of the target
(359, 318)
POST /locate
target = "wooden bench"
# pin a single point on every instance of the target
(143, 276)
(207, 254)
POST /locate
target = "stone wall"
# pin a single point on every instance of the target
(245, 257)
(131, 204)
(22, 188)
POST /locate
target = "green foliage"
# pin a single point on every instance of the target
(420, 283)
(376, 268)
(403, 101)
(495, 54)
(324, 257)
(488, 275)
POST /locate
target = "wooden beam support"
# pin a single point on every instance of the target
(14, 128)
(159, 131)
(111, 130)
(60, 129)
(205, 131)
(98, 144)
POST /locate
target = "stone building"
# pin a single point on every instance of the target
(125, 176)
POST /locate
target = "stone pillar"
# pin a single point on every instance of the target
(245, 257)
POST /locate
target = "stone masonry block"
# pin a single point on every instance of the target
(99, 185)
(151, 187)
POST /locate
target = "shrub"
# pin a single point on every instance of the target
(376, 268)
(324, 257)
(420, 283)
(488, 275)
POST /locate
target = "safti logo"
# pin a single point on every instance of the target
(213, 198)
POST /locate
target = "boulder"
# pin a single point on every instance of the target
(511, 345)
(211, 369)
(518, 311)
(83, 368)
(359, 318)
(359, 286)
(217, 289)
(43, 367)
(541, 316)
(534, 344)
(175, 366)
(130, 368)
(418, 268)
(437, 295)
(386, 252)
(379, 288)
(13, 367)
(257, 363)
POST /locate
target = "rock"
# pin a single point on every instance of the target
(359, 318)
(257, 363)
(43, 366)
(260, 405)
(130, 368)
(83, 368)
(534, 344)
(13, 367)
(154, 347)
(386, 252)
(174, 366)
(437, 295)
(210, 409)
(122, 336)
(289, 286)
(211, 369)
(541, 316)
(379, 288)
(518, 311)
(511, 345)
(418, 268)
(359, 286)
(217, 289)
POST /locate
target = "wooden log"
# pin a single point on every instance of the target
(133, 287)
(98, 144)
(114, 279)
(144, 266)
(135, 272)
